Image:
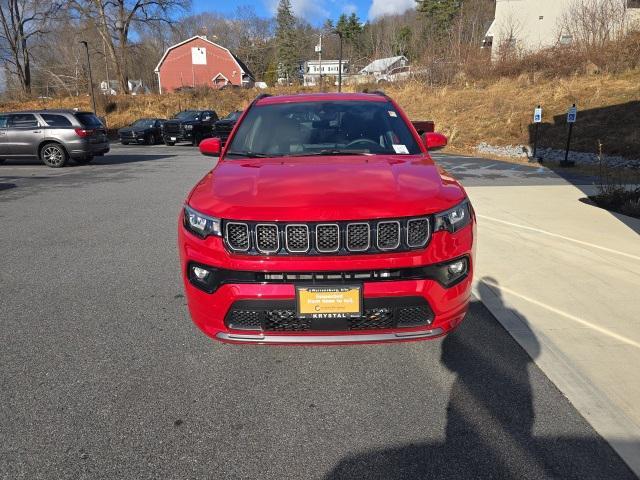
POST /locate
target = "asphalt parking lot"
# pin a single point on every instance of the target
(103, 375)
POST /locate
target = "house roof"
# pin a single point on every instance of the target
(243, 68)
(381, 64)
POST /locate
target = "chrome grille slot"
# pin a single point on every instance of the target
(418, 231)
(237, 235)
(388, 235)
(358, 237)
(267, 238)
(297, 238)
(327, 238)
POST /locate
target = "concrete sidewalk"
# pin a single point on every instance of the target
(563, 277)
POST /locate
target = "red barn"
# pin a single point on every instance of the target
(199, 62)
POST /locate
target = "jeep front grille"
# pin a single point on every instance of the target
(339, 238)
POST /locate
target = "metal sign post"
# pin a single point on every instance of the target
(572, 115)
(537, 119)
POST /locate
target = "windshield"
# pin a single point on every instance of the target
(323, 128)
(188, 115)
(143, 123)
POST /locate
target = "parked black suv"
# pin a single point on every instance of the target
(189, 126)
(222, 128)
(53, 136)
(145, 130)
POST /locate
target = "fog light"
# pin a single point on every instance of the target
(456, 268)
(200, 273)
(453, 273)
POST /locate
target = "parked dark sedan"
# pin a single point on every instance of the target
(145, 130)
(222, 128)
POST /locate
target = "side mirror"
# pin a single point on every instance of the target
(434, 141)
(211, 147)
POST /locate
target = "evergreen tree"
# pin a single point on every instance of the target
(286, 42)
(439, 12)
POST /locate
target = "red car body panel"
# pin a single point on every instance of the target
(325, 189)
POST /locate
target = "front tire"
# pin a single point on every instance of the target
(124, 143)
(53, 155)
(169, 144)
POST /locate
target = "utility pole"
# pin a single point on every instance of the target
(320, 61)
(340, 63)
(106, 66)
(93, 97)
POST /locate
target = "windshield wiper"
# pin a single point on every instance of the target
(329, 151)
(248, 154)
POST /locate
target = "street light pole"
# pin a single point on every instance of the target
(93, 97)
(340, 63)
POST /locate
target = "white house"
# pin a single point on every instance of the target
(531, 25)
(327, 68)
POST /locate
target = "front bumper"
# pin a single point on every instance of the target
(448, 306)
(184, 136)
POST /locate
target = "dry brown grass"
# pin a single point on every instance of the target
(497, 112)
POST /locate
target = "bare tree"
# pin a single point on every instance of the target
(115, 20)
(592, 23)
(21, 21)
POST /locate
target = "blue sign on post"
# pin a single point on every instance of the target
(572, 115)
(537, 115)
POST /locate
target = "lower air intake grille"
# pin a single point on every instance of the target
(280, 316)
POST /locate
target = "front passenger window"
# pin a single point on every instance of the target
(3, 121)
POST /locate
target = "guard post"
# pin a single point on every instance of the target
(537, 120)
(572, 115)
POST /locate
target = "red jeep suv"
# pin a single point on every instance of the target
(326, 221)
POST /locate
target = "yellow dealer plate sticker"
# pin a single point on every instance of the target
(329, 302)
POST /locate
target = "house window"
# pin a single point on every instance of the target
(566, 39)
(633, 3)
(541, 17)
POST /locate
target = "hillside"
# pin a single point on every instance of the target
(497, 112)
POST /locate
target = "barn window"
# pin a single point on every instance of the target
(199, 56)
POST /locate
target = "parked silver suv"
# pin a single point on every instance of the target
(53, 136)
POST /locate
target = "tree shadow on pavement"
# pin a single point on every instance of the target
(490, 423)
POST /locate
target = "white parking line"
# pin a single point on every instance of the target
(579, 320)
(569, 239)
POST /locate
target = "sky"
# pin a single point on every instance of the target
(314, 11)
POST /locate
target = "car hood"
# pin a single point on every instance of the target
(325, 188)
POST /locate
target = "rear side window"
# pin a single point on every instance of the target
(88, 120)
(56, 120)
(23, 120)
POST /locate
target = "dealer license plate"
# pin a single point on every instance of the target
(329, 302)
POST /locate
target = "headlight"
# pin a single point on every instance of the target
(199, 224)
(454, 219)
(188, 127)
